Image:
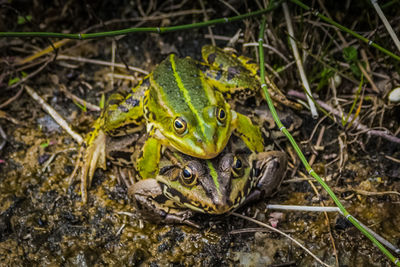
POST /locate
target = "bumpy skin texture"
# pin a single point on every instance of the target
(216, 186)
(183, 105)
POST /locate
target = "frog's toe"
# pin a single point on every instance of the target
(172, 218)
(93, 156)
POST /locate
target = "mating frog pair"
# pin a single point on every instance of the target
(183, 104)
(186, 185)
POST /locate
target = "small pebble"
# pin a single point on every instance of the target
(394, 95)
(43, 158)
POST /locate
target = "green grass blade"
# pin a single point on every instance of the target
(345, 29)
(83, 36)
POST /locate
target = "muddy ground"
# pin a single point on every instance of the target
(42, 219)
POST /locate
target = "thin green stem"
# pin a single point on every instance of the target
(389, 4)
(344, 212)
(83, 36)
(343, 28)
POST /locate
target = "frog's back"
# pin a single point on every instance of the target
(181, 85)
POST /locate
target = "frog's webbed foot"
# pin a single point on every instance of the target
(278, 96)
(273, 90)
(91, 155)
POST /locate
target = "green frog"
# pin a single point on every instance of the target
(187, 185)
(182, 104)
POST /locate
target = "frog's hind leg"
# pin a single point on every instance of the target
(226, 58)
(239, 75)
(276, 94)
(228, 74)
(122, 115)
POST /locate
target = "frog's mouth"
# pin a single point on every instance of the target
(201, 149)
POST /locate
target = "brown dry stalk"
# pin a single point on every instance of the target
(282, 233)
(367, 193)
(54, 114)
(358, 125)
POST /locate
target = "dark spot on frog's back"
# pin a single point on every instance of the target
(146, 82)
(211, 58)
(219, 75)
(152, 117)
(232, 72)
(133, 102)
(123, 109)
(113, 101)
(201, 67)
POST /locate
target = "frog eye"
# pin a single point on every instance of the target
(237, 167)
(221, 115)
(188, 178)
(180, 125)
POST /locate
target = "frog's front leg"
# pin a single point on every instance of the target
(248, 132)
(154, 206)
(268, 171)
(147, 164)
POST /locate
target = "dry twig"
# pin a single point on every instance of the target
(282, 233)
(78, 100)
(54, 114)
(358, 125)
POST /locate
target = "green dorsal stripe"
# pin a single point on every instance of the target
(186, 94)
(214, 175)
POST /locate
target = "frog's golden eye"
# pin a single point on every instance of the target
(237, 167)
(180, 125)
(188, 177)
(221, 115)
